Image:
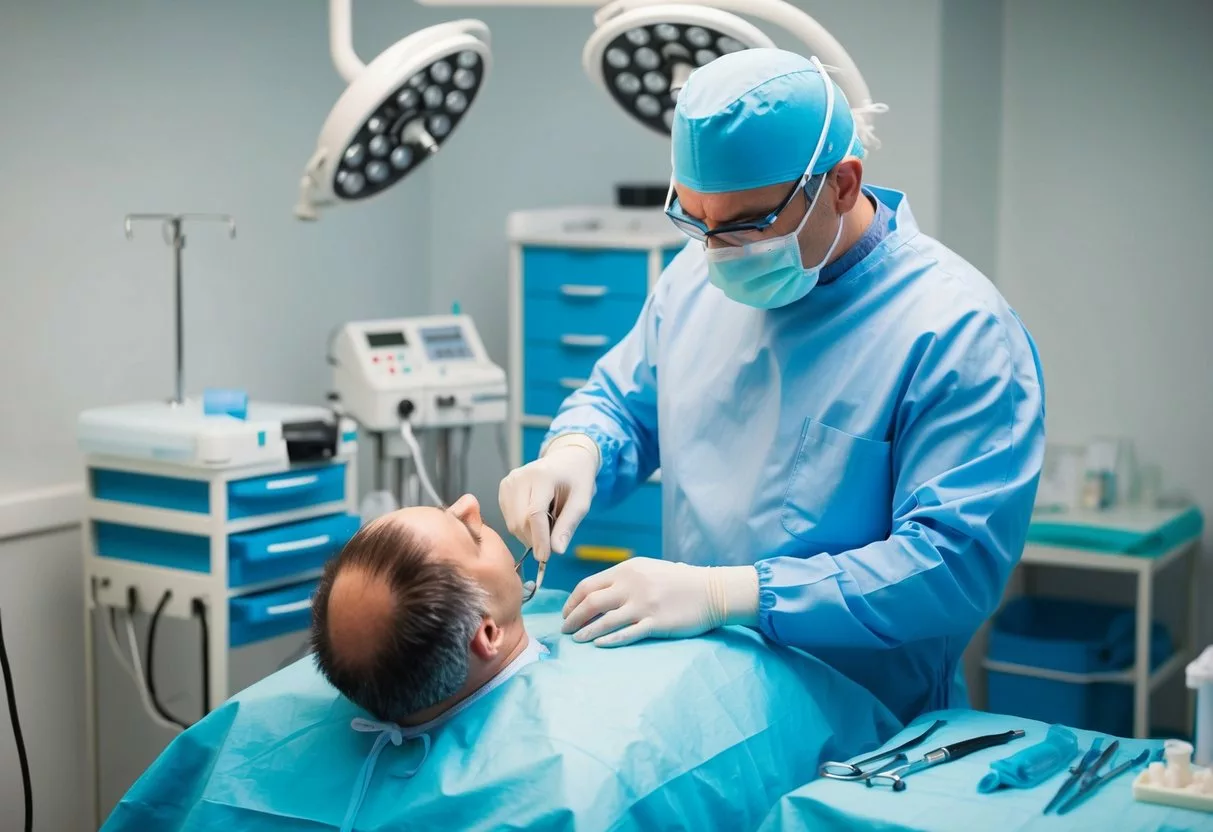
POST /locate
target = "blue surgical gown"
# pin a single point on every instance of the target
(873, 449)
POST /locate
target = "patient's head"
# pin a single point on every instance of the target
(419, 609)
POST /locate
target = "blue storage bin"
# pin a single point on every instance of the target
(282, 551)
(1071, 637)
(265, 615)
(288, 491)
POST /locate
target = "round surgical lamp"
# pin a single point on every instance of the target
(397, 111)
(642, 52)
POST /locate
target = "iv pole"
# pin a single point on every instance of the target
(173, 236)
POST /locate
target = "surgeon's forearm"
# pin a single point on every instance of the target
(833, 601)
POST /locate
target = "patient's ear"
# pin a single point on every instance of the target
(486, 643)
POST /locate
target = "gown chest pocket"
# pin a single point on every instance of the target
(839, 495)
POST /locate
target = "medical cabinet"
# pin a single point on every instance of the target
(578, 281)
(209, 531)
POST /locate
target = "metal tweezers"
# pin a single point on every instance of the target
(854, 771)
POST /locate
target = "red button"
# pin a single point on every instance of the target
(391, 357)
(375, 358)
(391, 370)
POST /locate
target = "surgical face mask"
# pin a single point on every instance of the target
(767, 274)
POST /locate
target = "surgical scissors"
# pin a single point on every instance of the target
(854, 771)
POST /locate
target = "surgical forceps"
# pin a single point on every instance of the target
(1087, 786)
(529, 588)
(854, 771)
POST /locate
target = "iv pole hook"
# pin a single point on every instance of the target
(173, 236)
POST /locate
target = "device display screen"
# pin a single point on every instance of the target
(385, 339)
(445, 343)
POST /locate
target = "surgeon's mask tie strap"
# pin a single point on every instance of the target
(388, 732)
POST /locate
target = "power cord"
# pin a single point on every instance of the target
(151, 652)
(18, 738)
(198, 607)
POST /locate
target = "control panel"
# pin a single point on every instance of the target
(431, 370)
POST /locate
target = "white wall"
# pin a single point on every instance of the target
(1104, 243)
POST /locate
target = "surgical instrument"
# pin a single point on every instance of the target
(529, 588)
(1093, 757)
(1088, 786)
(896, 777)
(1086, 771)
(854, 771)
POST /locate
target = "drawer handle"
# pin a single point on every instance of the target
(584, 340)
(287, 609)
(298, 545)
(274, 488)
(572, 290)
(602, 554)
(290, 483)
(574, 383)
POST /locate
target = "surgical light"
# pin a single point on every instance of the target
(642, 51)
(397, 111)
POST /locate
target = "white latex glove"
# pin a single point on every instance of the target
(561, 481)
(648, 598)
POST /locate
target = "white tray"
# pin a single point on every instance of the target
(1182, 798)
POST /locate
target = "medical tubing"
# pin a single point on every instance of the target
(198, 607)
(151, 652)
(111, 636)
(18, 738)
(406, 433)
(141, 685)
(136, 675)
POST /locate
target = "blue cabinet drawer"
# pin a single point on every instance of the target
(172, 550)
(288, 491)
(595, 321)
(280, 551)
(564, 573)
(543, 398)
(641, 510)
(585, 272)
(600, 541)
(151, 490)
(567, 358)
(596, 547)
(265, 615)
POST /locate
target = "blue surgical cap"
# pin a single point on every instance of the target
(752, 118)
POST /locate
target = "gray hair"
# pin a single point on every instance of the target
(422, 655)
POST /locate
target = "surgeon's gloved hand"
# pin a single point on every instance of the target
(648, 598)
(561, 482)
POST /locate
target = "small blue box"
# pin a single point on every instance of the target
(1072, 637)
(219, 402)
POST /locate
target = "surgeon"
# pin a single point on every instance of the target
(848, 417)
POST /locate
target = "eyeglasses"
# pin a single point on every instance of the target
(734, 233)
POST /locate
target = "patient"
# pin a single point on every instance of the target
(419, 611)
(418, 623)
